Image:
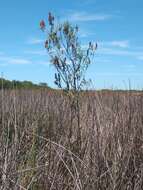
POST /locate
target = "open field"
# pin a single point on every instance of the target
(45, 145)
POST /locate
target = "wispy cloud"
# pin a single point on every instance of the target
(119, 74)
(116, 43)
(120, 48)
(84, 33)
(19, 61)
(14, 60)
(111, 51)
(85, 17)
(44, 63)
(120, 52)
(34, 41)
(36, 52)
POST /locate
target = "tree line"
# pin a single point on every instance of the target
(7, 84)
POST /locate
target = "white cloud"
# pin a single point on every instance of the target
(45, 63)
(36, 52)
(19, 61)
(34, 41)
(119, 74)
(116, 43)
(122, 44)
(85, 17)
(113, 51)
(13, 60)
(85, 33)
(119, 48)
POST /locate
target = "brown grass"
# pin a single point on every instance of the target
(40, 147)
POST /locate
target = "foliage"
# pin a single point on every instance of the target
(7, 84)
(68, 56)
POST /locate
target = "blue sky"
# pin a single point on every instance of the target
(116, 25)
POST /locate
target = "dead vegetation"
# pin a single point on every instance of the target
(43, 148)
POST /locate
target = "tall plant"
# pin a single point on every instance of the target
(71, 61)
(68, 56)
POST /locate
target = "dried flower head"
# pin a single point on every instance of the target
(50, 18)
(42, 25)
(56, 61)
(46, 44)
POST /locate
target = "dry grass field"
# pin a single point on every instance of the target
(44, 145)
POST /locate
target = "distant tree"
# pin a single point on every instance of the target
(27, 84)
(15, 84)
(43, 84)
(5, 83)
(68, 56)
